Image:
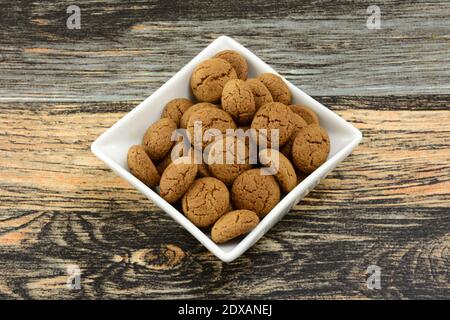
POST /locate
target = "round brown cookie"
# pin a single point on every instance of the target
(157, 140)
(273, 115)
(222, 152)
(177, 178)
(254, 191)
(209, 78)
(210, 118)
(175, 108)
(311, 148)
(141, 166)
(260, 92)
(297, 123)
(190, 111)
(237, 61)
(233, 224)
(238, 101)
(205, 201)
(306, 113)
(281, 167)
(277, 87)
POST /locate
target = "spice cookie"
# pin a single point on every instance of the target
(177, 178)
(210, 118)
(311, 148)
(190, 111)
(260, 93)
(209, 78)
(255, 190)
(205, 201)
(175, 109)
(238, 101)
(270, 116)
(277, 87)
(157, 140)
(281, 167)
(141, 166)
(297, 122)
(228, 157)
(237, 61)
(233, 224)
(306, 113)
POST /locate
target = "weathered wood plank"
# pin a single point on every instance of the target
(387, 204)
(125, 51)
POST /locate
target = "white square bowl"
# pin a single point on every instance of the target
(112, 146)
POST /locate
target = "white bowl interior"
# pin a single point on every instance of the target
(112, 146)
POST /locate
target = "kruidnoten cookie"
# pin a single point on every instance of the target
(260, 92)
(252, 190)
(210, 118)
(141, 166)
(209, 78)
(274, 115)
(175, 109)
(228, 157)
(282, 168)
(277, 87)
(157, 140)
(297, 123)
(306, 113)
(206, 200)
(311, 148)
(177, 178)
(238, 101)
(233, 224)
(190, 111)
(237, 61)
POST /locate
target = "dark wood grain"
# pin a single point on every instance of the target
(387, 204)
(126, 50)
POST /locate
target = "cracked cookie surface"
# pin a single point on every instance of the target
(157, 140)
(175, 109)
(252, 190)
(193, 109)
(210, 118)
(228, 157)
(233, 224)
(306, 113)
(238, 101)
(209, 78)
(141, 166)
(311, 148)
(273, 116)
(236, 60)
(277, 87)
(260, 93)
(206, 200)
(282, 168)
(177, 178)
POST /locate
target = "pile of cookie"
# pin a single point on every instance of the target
(230, 197)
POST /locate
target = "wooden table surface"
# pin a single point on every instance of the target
(385, 205)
